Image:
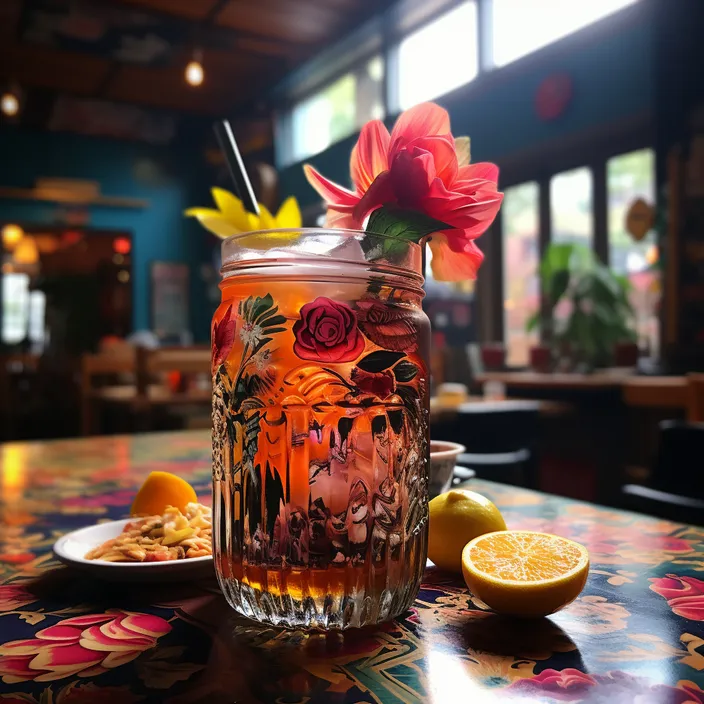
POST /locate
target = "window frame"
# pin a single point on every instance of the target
(587, 154)
(382, 35)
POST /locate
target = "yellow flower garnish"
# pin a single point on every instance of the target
(232, 219)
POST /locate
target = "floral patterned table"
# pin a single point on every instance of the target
(635, 635)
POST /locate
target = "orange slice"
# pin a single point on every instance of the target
(524, 573)
(162, 489)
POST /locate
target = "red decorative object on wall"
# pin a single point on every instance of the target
(553, 96)
(122, 245)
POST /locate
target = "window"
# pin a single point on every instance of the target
(15, 307)
(36, 320)
(548, 20)
(439, 57)
(520, 218)
(338, 110)
(571, 209)
(629, 177)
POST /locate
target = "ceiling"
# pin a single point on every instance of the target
(117, 65)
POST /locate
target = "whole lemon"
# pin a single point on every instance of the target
(457, 517)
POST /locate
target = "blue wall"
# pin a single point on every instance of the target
(170, 179)
(611, 67)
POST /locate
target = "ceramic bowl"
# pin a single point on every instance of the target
(443, 458)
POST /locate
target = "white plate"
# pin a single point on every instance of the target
(72, 547)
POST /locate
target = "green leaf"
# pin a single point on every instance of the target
(532, 322)
(379, 361)
(261, 306)
(402, 225)
(405, 371)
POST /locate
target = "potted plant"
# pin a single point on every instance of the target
(588, 309)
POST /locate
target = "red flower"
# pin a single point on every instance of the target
(84, 645)
(418, 167)
(327, 332)
(393, 328)
(382, 384)
(14, 596)
(685, 595)
(223, 338)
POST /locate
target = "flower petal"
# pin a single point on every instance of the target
(217, 224)
(341, 217)
(370, 154)
(264, 222)
(231, 207)
(462, 149)
(289, 214)
(423, 120)
(448, 264)
(328, 190)
(29, 646)
(146, 624)
(482, 169)
(443, 154)
(380, 192)
(64, 660)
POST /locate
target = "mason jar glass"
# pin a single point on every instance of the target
(320, 427)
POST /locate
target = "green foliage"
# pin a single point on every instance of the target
(601, 314)
(400, 227)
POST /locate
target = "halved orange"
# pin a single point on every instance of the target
(524, 573)
(162, 489)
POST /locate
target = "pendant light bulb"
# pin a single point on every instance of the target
(194, 70)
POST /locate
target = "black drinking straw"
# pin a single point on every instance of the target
(243, 186)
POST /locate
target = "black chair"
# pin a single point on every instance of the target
(500, 438)
(676, 487)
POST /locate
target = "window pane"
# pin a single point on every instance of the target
(520, 217)
(571, 207)
(631, 176)
(439, 57)
(37, 311)
(548, 20)
(338, 110)
(15, 307)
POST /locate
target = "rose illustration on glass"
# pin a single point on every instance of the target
(327, 332)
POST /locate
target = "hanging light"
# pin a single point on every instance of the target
(26, 251)
(194, 70)
(11, 235)
(9, 104)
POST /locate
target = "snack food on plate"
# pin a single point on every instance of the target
(170, 536)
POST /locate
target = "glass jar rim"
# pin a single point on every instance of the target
(237, 255)
(316, 230)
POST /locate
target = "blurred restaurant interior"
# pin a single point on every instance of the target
(595, 117)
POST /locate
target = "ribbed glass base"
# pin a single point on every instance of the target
(331, 599)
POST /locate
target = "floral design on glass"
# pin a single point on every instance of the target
(222, 338)
(391, 327)
(327, 332)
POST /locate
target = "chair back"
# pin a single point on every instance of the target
(175, 364)
(121, 360)
(679, 461)
(497, 427)
(186, 360)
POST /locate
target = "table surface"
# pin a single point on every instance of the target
(634, 635)
(653, 391)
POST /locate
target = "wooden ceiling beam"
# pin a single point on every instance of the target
(209, 21)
